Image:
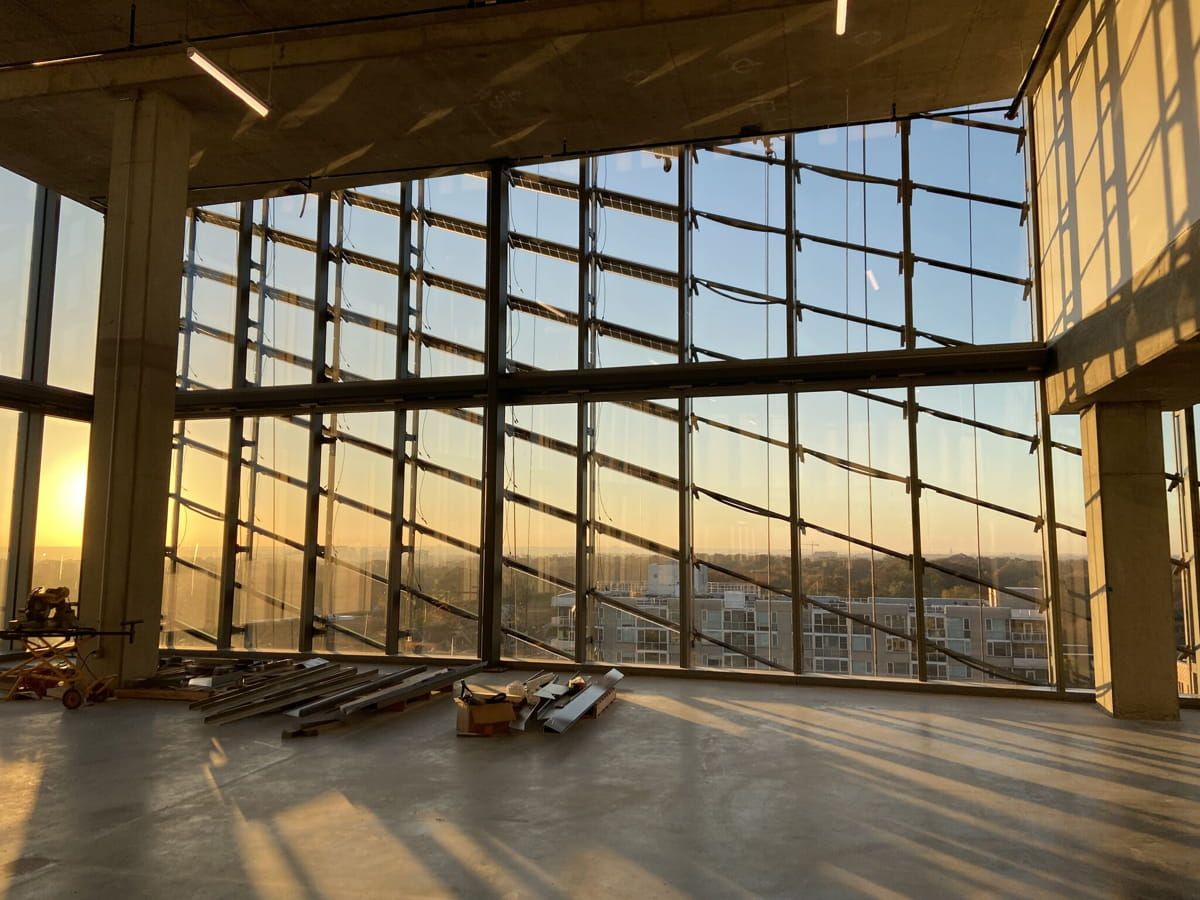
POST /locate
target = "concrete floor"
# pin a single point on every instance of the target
(683, 788)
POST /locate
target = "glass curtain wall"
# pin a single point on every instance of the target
(929, 532)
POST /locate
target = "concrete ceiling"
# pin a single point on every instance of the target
(364, 89)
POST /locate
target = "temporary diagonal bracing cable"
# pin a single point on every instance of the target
(802, 236)
(280, 604)
(1037, 521)
(673, 628)
(805, 525)
(732, 292)
(745, 225)
(1015, 130)
(966, 659)
(449, 539)
(454, 610)
(1025, 283)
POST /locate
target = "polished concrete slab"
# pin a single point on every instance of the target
(683, 788)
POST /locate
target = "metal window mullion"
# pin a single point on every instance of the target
(333, 368)
(396, 550)
(1052, 577)
(1189, 508)
(35, 367)
(791, 173)
(910, 343)
(496, 346)
(264, 246)
(686, 581)
(185, 356)
(587, 232)
(230, 532)
(316, 428)
(418, 326)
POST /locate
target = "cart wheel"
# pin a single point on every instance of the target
(72, 699)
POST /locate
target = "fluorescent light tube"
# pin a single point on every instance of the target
(228, 82)
(840, 27)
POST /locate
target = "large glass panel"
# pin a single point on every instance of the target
(849, 285)
(209, 298)
(365, 299)
(543, 268)
(17, 197)
(274, 473)
(636, 318)
(635, 570)
(971, 279)
(1073, 586)
(195, 523)
(356, 508)
(980, 524)
(281, 333)
(739, 251)
(539, 532)
(448, 316)
(61, 494)
(742, 604)
(443, 519)
(76, 297)
(856, 539)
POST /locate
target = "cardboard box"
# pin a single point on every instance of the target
(483, 718)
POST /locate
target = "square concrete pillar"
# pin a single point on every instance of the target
(129, 457)
(1129, 560)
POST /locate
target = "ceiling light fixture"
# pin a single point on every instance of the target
(840, 27)
(228, 82)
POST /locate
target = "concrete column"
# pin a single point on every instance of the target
(1129, 553)
(129, 458)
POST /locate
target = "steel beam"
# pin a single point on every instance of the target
(583, 411)
(910, 409)
(185, 365)
(230, 548)
(686, 575)
(844, 371)
(316, 428)
(795, 539)
(400, 427)
(496, 354)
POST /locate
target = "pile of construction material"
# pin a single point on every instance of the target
(552, 702)
(322, 695)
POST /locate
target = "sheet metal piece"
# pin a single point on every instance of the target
(407, 690)
(278, 684)
(577, 707)
(339, 681)
(336, 700)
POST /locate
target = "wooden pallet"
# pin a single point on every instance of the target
(602, 704)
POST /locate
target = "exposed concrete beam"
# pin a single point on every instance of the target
(537, 79)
